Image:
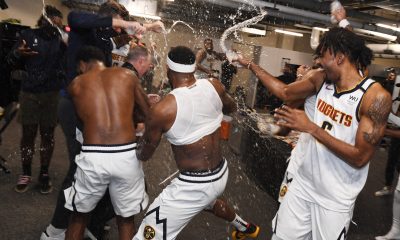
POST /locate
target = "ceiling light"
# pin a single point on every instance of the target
(388, 26)
(378, 34)
(147, 16)
(321, 29)
(254, 31)
(289, 33)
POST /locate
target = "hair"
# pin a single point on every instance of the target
(50, 11)
(137, 52)
(112, 8)
(341, 40)
(208, 40)
(90, 53)
(182, 55)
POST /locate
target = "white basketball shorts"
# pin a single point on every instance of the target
(108, 166)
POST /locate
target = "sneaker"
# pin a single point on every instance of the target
(45, 184)
(46, 236)
(252, 231)
(22, 184)
(386, 238)
(386, 190)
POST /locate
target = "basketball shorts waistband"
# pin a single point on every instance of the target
(205, 176)
(108, 148)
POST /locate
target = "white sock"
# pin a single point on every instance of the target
(52, 231)
(239, 223)
(394, 232)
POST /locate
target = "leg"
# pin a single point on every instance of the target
(391, 165)
(243, 229)
(222, 210)
(27, 149)
(68, 122)
(394, 232)
(77, 225)
(46, 147)
(46, 152)
(328, 224)
(392, 161)
(126, 227)
(293, 219)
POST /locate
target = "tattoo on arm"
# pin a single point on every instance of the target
(378, 113)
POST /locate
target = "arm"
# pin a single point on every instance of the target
(229, 105)
(200, 56)
(294, 91)
(392, 133)
(158, 121)
(141, 100)
(84, 20)
(219, 56)
(374, 113)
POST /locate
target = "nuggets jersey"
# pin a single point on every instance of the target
(298, 153)
(323, 177)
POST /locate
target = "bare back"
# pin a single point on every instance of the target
(202, 154)
(105, 102)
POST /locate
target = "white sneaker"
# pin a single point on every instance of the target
(386, 190)
(46, 236)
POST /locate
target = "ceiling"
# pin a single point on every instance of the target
(292, 14)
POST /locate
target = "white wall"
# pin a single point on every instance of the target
(271, 59)
(28, 11)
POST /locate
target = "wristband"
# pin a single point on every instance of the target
(248, 65)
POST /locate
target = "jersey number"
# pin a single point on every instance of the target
(326, 125)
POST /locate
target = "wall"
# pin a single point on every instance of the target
(28, 11)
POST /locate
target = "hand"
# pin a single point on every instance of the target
(339, 14)
(135, 28)
(293, 118)
(157, 27)
(242, 60)
(153, 98)
(25, 51)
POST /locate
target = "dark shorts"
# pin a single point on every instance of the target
(38, 108)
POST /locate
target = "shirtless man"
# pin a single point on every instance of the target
(105, 100)
(190, 117)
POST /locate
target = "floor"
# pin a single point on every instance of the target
(24, 216)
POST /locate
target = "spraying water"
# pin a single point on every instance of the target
(230, 55)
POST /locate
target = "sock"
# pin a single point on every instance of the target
(27, 169)
(394, 232)
(239, 223)
(52, 231)
(44, 170)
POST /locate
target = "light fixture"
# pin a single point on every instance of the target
(321, 29)
(378, 34)
(289, 33)
(147, 16)
(388, 26)
(254, 31)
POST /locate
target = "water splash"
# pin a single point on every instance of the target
(181, 22)
(230, 55)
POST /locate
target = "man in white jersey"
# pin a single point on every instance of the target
(189, 117)
(349, 120)
(208, 61)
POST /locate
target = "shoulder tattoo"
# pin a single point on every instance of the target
(378, 113)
